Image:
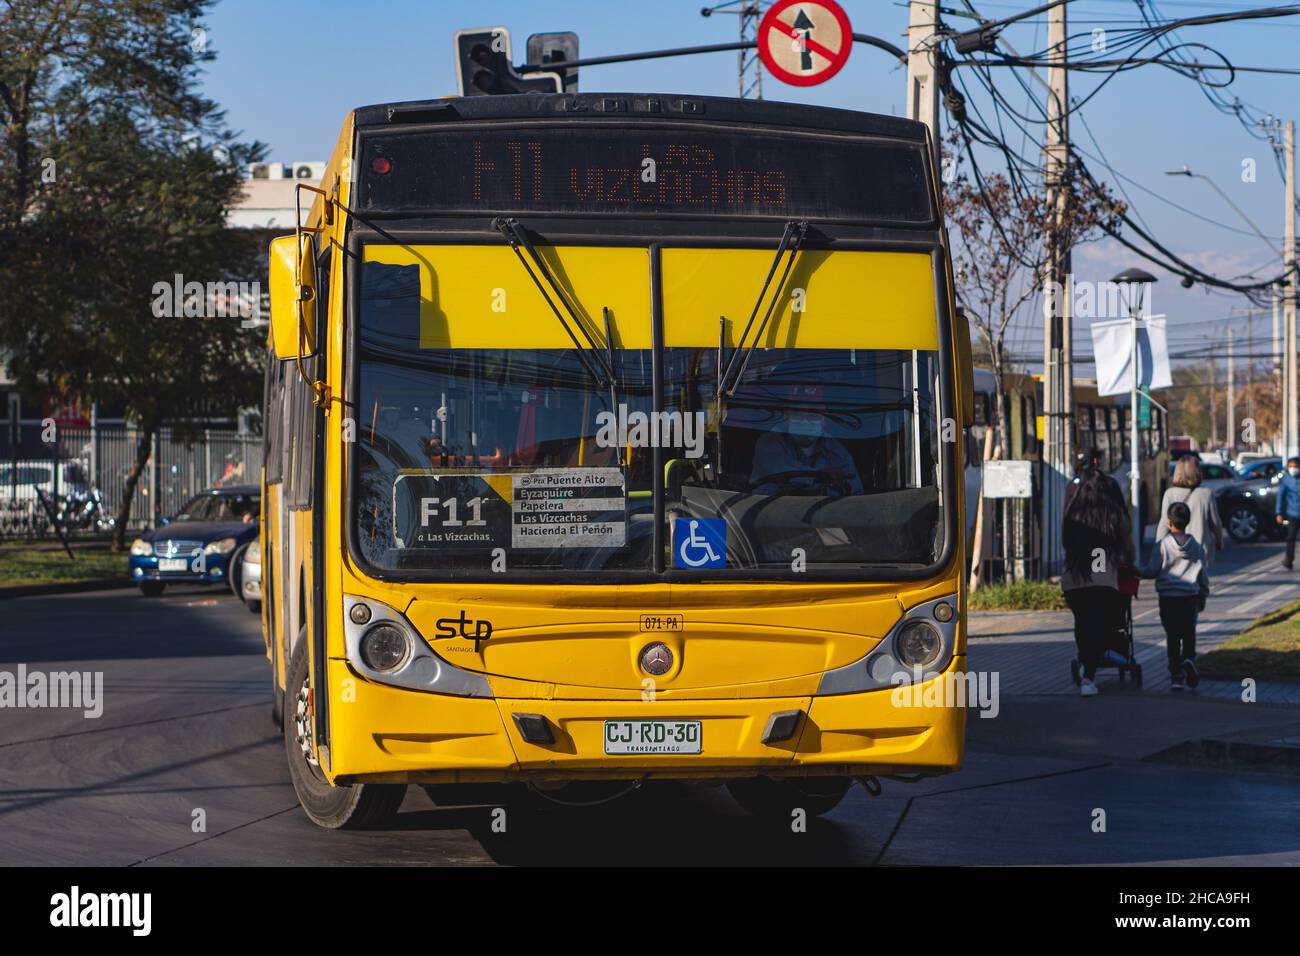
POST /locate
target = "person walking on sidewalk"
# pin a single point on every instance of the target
(1177, 563)
(1288, 507)
(1206, 526)
(1097, 537)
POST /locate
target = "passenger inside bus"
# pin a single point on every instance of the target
(801, 458)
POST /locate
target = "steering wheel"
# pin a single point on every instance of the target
(827, 481)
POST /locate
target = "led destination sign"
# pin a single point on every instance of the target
(584, 170)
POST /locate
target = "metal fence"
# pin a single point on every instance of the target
(73, 462)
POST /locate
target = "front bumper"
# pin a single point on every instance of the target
(145, 568)
(250, 581)
(396, 735)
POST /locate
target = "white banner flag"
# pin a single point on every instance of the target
(1112, 349)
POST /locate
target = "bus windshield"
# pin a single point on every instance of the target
(484, 443)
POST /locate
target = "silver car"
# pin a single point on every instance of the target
(246, 576)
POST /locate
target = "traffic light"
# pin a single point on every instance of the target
(556, 49)
(485, 67)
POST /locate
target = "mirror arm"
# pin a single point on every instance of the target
(319, 390)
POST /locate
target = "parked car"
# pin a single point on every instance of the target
(196, 545)
(1213, 475)
(19, 480)
(246, 575)
(1250, 457)
(1247, 508)
(1260, 468)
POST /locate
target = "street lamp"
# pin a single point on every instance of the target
(1136, 280)
(1186, 171)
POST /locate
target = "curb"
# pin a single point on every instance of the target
(69, 587)
(1233, 755)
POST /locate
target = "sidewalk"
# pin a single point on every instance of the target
(1031, 650)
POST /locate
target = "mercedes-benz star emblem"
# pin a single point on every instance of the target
(656, 659)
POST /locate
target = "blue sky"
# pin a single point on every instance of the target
(269, 77)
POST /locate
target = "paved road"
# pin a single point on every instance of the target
(186, 728)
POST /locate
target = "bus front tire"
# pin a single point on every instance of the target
(361, 806)
(778, 799)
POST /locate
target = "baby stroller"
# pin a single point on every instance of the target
(1118, 654)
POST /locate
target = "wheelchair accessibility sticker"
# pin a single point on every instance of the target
(700, 543)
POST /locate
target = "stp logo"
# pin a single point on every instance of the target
(449, 627)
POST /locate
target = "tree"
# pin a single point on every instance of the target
(65, 60)
(1191, 411)
(998, 258)
(116, 177)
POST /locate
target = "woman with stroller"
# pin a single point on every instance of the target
(1097, 536)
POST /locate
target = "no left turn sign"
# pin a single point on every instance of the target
(804, 42)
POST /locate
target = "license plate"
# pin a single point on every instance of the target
(172, 564)
(653, 736)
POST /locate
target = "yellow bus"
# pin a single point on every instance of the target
(610, 438)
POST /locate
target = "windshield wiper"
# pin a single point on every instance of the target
(792, 237)
(597, 365)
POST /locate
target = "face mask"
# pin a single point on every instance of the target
(1293, 472)
(805, 426)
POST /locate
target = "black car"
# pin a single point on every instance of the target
(1248, 508)
(1261, 468)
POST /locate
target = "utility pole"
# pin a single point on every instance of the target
(922, 68)
(1277, 336)
(1279, 437)
(1289, 292)
(1232, 411)
(1214, 405)
(749, 70)
(1251, 358)
(1058, 399)
(1250, 367)
(750, 74)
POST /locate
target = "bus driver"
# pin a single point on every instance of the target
(801, 458)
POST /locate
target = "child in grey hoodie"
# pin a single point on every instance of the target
(1178, 564)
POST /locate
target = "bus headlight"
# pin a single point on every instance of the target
(919, 647)
(384, 647)
(918, 644)
(141, 548)
(221, 546)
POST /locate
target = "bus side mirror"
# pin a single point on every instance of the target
(293, 297)
(965, 368)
